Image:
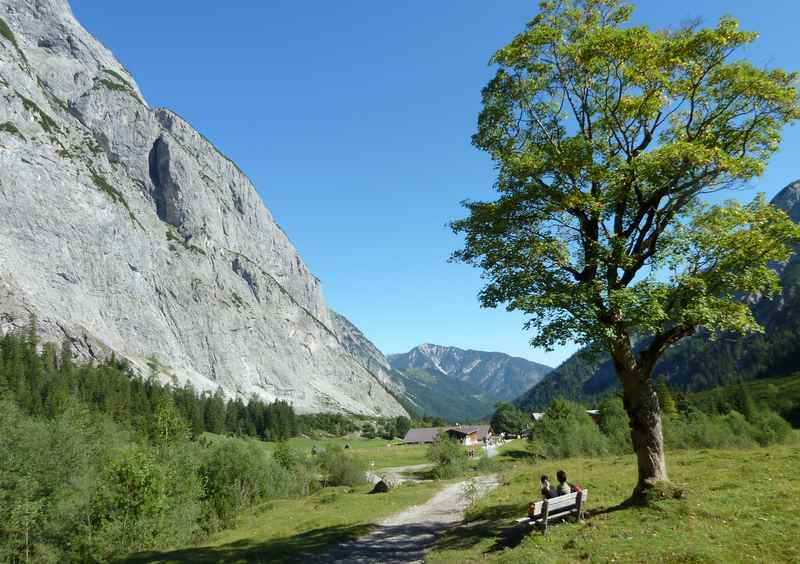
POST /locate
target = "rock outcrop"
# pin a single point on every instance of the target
(124, 230)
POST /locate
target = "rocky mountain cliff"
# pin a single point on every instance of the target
(498, 375)
(124, 230)
(700, 363)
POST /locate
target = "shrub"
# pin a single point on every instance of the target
(614, 425)
(340, 468)
(566, 430)
(293, 474)
(509, 419)
(235, 476)
(486, 464)
(448, 456)
(731, 430)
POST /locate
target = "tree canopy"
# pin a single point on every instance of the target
(605, 137)
(508, 418)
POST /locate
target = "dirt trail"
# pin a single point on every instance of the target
(405, 537)
(399, 474)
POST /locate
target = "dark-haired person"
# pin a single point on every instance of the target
(548, 491)
(563, 488)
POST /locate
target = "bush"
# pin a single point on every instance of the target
(565, 431)
(293, 474)
(236, 476)
(509, 419)
(731, 430)
(340, 468)
(486, 464)
(448, 456)
(614, 425)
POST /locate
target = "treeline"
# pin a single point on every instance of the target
(781, 395)
(96, 464)
(734, 421)
(41, 379)
(338, 425)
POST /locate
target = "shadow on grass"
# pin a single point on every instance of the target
(516, 454)
(285, 549)
(495, 522)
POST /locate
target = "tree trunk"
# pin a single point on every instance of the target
(644, 415)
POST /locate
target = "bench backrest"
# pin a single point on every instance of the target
(561, 504)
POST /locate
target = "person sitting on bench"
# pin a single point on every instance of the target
(563, 487)
(548, 491)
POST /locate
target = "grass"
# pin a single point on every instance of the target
(740, 506)
(283, 530)
(120, 78)
(114, 86)
(174, 237)
(385, 454)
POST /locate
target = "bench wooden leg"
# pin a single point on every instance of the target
(545, 516)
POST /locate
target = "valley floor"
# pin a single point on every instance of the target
(739, 506)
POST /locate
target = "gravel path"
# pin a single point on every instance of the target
(406, 536)
(399, 474)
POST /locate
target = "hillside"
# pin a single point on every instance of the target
(438, 395)
(126, 232)
(700, 363)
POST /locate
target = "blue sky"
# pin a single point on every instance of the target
(353, 118)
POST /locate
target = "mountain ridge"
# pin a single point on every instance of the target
(485, 377)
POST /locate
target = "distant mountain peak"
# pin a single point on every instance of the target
(499, 375)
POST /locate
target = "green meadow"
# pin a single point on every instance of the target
(737, 506)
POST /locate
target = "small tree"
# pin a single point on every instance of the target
(508, 418)
(605, 137)
(448, 456)
(402, 425)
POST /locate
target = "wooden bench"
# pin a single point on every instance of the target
(554, 508)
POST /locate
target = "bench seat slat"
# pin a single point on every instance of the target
(562, 501)
(557, 507)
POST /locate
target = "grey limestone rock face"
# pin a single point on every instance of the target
(366, 353)
(124, 230)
